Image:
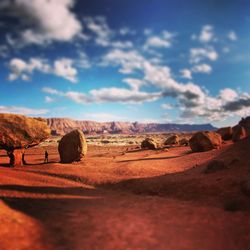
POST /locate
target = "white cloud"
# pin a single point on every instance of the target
(98, 25)
(227, 95)
(186, 73)
(77, 97)
(52, 91)
(49, 99)
(134, 83)
(157, 42)
(167, 106)
(107, 95)
(200, 54)
(127, 31)
(202, 68)
(122, 44)
(123, 95)
(232, 36)
(104, 35)
(62, 67)
(44, 21)
(162, 41)
(83, 61)
(206, 34)
(147, 32)
(20, 68)
(22, 110)
(128, 60)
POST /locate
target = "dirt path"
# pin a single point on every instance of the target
(58, 206)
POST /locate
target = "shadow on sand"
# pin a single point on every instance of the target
(157, 158)
(61, 216)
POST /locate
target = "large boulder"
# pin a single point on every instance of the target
(149, 143)
(204, 141)
(72, 147)
(18, 131)
(226, 133)
(238, 133)
(172, 140)
(245, 123)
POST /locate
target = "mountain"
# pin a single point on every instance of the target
(61, 126)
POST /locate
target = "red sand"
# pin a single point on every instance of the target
(133, 200)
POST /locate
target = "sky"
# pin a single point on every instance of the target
(181, 61)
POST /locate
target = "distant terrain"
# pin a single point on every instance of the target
(61, 126)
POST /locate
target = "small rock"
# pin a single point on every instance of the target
(172, 140)
(149, 143)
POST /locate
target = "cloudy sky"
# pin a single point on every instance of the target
(183, 61)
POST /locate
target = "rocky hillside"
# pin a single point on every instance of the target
(60, 126)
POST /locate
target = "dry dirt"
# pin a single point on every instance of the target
(124, 198)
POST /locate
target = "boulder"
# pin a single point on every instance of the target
(238, 133)
(184, 142)
(18, 131)
(72, 147)
(172, 140)
(226, 133)
(215, 165)
(149, 143)
(245, 123)
(204, 141)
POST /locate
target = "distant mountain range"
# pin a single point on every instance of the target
(61, 126)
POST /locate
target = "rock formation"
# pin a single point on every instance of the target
(149, 143)
(226, 133)
(204, 141)
(18, 131)
(172, 140)
(239, 132)
(62, 126)
(72, 147)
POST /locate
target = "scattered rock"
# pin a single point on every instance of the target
(184, 142)
(214, 166)
(172, 140)
(72, 147)
(204, 141)
(149, 143)
(226, 133)
(238, 133)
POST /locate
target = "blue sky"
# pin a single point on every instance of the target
(147, 61)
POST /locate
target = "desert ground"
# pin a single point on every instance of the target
(122, 197)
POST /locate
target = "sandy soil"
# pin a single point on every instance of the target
(125, 198)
